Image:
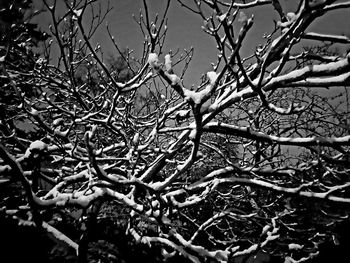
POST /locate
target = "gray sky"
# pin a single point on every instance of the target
(184, 30)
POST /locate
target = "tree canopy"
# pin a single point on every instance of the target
(255, 158)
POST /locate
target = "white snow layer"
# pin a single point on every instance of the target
(37, 145)
(153, 60)
(167, 62)
(212, 76)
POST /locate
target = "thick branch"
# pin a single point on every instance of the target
(217, 127)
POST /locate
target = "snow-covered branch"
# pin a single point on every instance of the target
(245, 132)
(212, 167)
(324, 37)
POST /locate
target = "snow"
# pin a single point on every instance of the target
(136, 139)
(4, 168)
(293, 246)
(57, 121)
(155, 204)
(39, 145)
(34, 112)
(300, 74)
(77, 14)
(36, 145)
(265, 229)
(197, 97)
(291, 16)
(218, 255)
(4, 180)
(153, 60)
(148, 212)
(206, 106)
(191, 95)
(174, 79)
(167, 63)
(272, 237)
(58, 132)
(222, 17)
(342, 39)
(40, 61)
(156, 213)
(275, 42)
(180, 167)
(60, 236)
(182, 113)
(247, 251)
(212, 76)
(153, 31)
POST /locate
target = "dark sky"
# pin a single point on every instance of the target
(184, 30)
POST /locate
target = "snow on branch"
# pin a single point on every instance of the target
(186, 161)
(324, 37)
(148, 240)
(281, 189)
(336, 6)
(322, 70)
(327, 82)
(58, 235)
(248, 4)
(218, 127)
